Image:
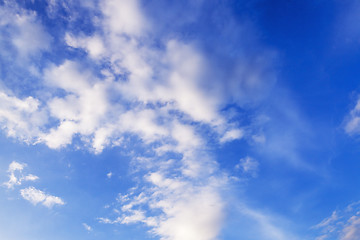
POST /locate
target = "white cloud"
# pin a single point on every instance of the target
(31, 194)
(81, 110)
(36, 196)
(30, 37)
(25, 32)
(188, 211)
(30, 177)
(159, 95)
(16, 177)
(93, 45)
(124, 17)
(16, 166)
(21, 118)
(231, 135)
(109, 174)
(189, 208)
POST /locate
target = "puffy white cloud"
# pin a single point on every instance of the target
(36, 196)
(16, 177)
(16, 166)
(21, 118)
(33, 195)
(123, 17)
(81, 110)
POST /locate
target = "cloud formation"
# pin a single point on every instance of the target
(189, 211)
(31, 194)
(36, 196)
(16, 177)
(131, 91)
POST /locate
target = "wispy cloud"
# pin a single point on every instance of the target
(267, 226)
(248, 166)
(87, 227)
(342, 224)
(352, 122)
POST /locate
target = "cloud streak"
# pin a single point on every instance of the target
(342, 224)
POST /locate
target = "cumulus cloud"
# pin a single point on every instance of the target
(36, 196)
(158, 95)
(16, 177)
(88, 108)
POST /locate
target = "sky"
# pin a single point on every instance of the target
(179, 120)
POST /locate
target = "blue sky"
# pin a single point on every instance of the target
(204, 120)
